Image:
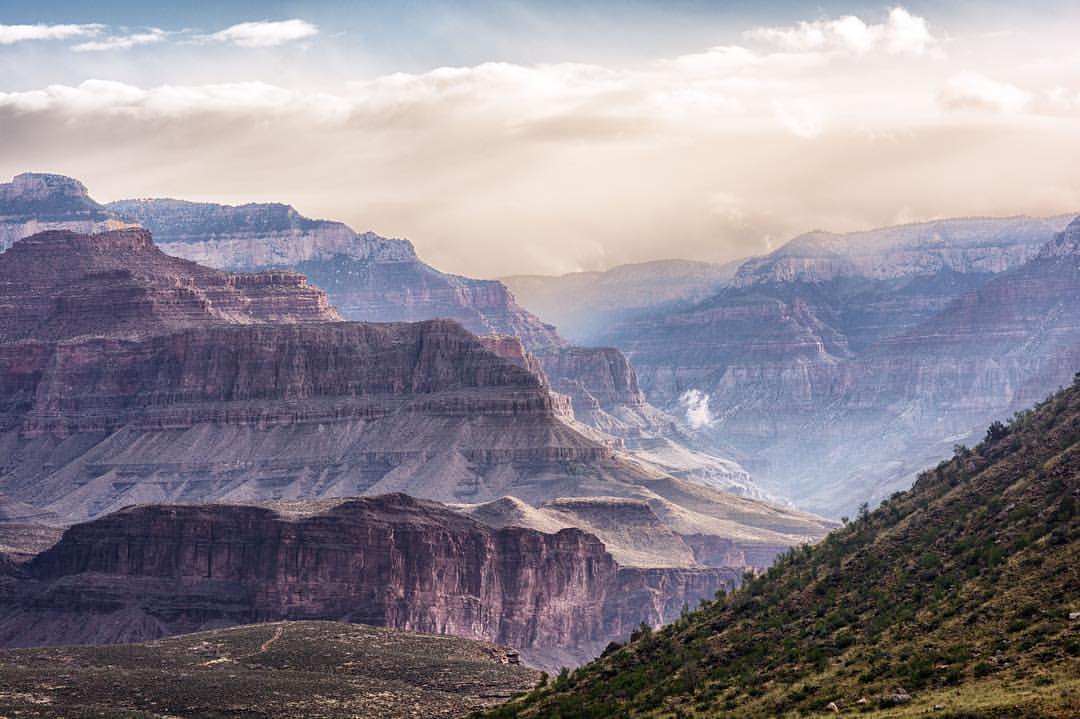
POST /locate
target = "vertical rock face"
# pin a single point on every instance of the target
(961, 246)
(842, 364)
(368, 277)
(60, 284)
(391, 560)
(33, 202)
(372, 278)
(129, 376)
(597, 378)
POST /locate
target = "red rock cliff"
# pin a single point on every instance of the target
(390, 560)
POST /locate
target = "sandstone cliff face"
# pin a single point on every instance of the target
(597, 378)
(253, 236)
(128, 376)
(368, 277)
(839, 385)
(35, 202)
(151, 571)
(59, 285)
(964, 246)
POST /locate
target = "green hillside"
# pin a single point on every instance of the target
(958, 598)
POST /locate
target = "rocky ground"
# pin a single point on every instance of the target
(314, 670)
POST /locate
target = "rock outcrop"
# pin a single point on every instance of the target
(838, 375)
(128, 376)
(60, 285)
(151, 571)
(368, 277)
(372, 278)
(962, 246)
(33, 202)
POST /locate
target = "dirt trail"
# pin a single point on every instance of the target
(277, 635)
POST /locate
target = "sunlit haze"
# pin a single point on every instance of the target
(536, 138)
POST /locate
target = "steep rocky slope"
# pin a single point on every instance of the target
(367, 277)
(957, 598)
(150, 571)
(976, 245)
(837, 378)
(128, 376)
(603, 391)
(33, 202)
(286, 670)
(59, 285)
(372, 278)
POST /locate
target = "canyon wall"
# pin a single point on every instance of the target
(840, 366)
(146, 572)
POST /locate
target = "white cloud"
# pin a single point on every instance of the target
(973, 91)
(266, 33)
(641, 159)
(696, 404)
(122, 42)
(106, 97)
(800, 117)
(902, 33)
(907, 34)
(10, 34)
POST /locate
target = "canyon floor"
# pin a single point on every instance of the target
(309, 670)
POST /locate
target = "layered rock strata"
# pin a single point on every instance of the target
(151, 571)
(209, 386)
(372, 278)
(841, 374)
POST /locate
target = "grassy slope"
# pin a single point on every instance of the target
(958, 591)
(306, 670)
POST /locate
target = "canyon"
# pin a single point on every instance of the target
(838, 365)
(796, 375)
(372, 278)
(152, 571)
(134, 377)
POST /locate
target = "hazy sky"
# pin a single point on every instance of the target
(552, 137)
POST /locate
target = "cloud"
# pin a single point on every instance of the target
(696, 405)
(112, 99)
(800, 117)
(973, 91)
(10, 34)
(265, 33)
(902, 33)
(711, 154)
(122, 42)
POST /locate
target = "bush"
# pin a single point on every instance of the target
(996, 431)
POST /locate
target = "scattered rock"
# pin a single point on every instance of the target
(897, 697)
(831, 706)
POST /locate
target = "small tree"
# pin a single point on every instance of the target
(997, 430)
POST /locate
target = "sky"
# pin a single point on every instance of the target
(549, 137)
